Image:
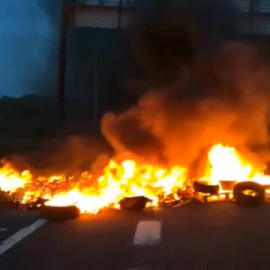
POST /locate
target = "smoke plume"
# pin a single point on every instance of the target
(206, 87)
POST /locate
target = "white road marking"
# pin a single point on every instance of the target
(3, 229)
(147, 233)
(20, 235)
(138, 269)
(143, 268)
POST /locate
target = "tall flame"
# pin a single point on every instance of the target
(227, 164)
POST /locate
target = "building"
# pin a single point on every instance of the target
(100, 13)
(108, 13)
(96, 48)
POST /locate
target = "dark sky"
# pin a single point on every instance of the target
(28, 46)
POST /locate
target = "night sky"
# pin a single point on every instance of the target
(28, 46)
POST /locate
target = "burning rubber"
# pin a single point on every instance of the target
(249, 193)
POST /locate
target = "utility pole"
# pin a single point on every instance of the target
(120, 13)
(62, 65)
(253, 9)
(96, 85)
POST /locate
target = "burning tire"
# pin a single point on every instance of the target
(205, 188)
(55, 213)
(249, 193)
(134, 203)
(37, 204)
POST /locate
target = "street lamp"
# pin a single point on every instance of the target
(62, 64)
(120, 11)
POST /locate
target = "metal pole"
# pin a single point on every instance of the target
(253, 9)
(62, 66)
(96, 87)
(120, 12)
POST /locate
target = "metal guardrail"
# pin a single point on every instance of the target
(260, 6)
(112, 3)
(243, 5)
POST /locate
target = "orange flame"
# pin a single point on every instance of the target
(228, 164)
(11, 180)
(126, 179)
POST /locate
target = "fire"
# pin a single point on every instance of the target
(119, 180)
(91, 193)
(11, 180)
(125, 179)
(227, 164)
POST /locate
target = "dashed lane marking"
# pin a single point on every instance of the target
(147, 233)
(20, 235)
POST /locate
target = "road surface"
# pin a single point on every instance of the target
(195, 236)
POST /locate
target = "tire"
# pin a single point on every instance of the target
(202, 187)
(62, 213)
(228, 185)
(249, 200)
(134, 203)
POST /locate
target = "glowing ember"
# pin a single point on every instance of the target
(126, 179)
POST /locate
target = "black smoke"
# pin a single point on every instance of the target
(203, 85)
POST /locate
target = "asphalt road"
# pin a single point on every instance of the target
(195, 236)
